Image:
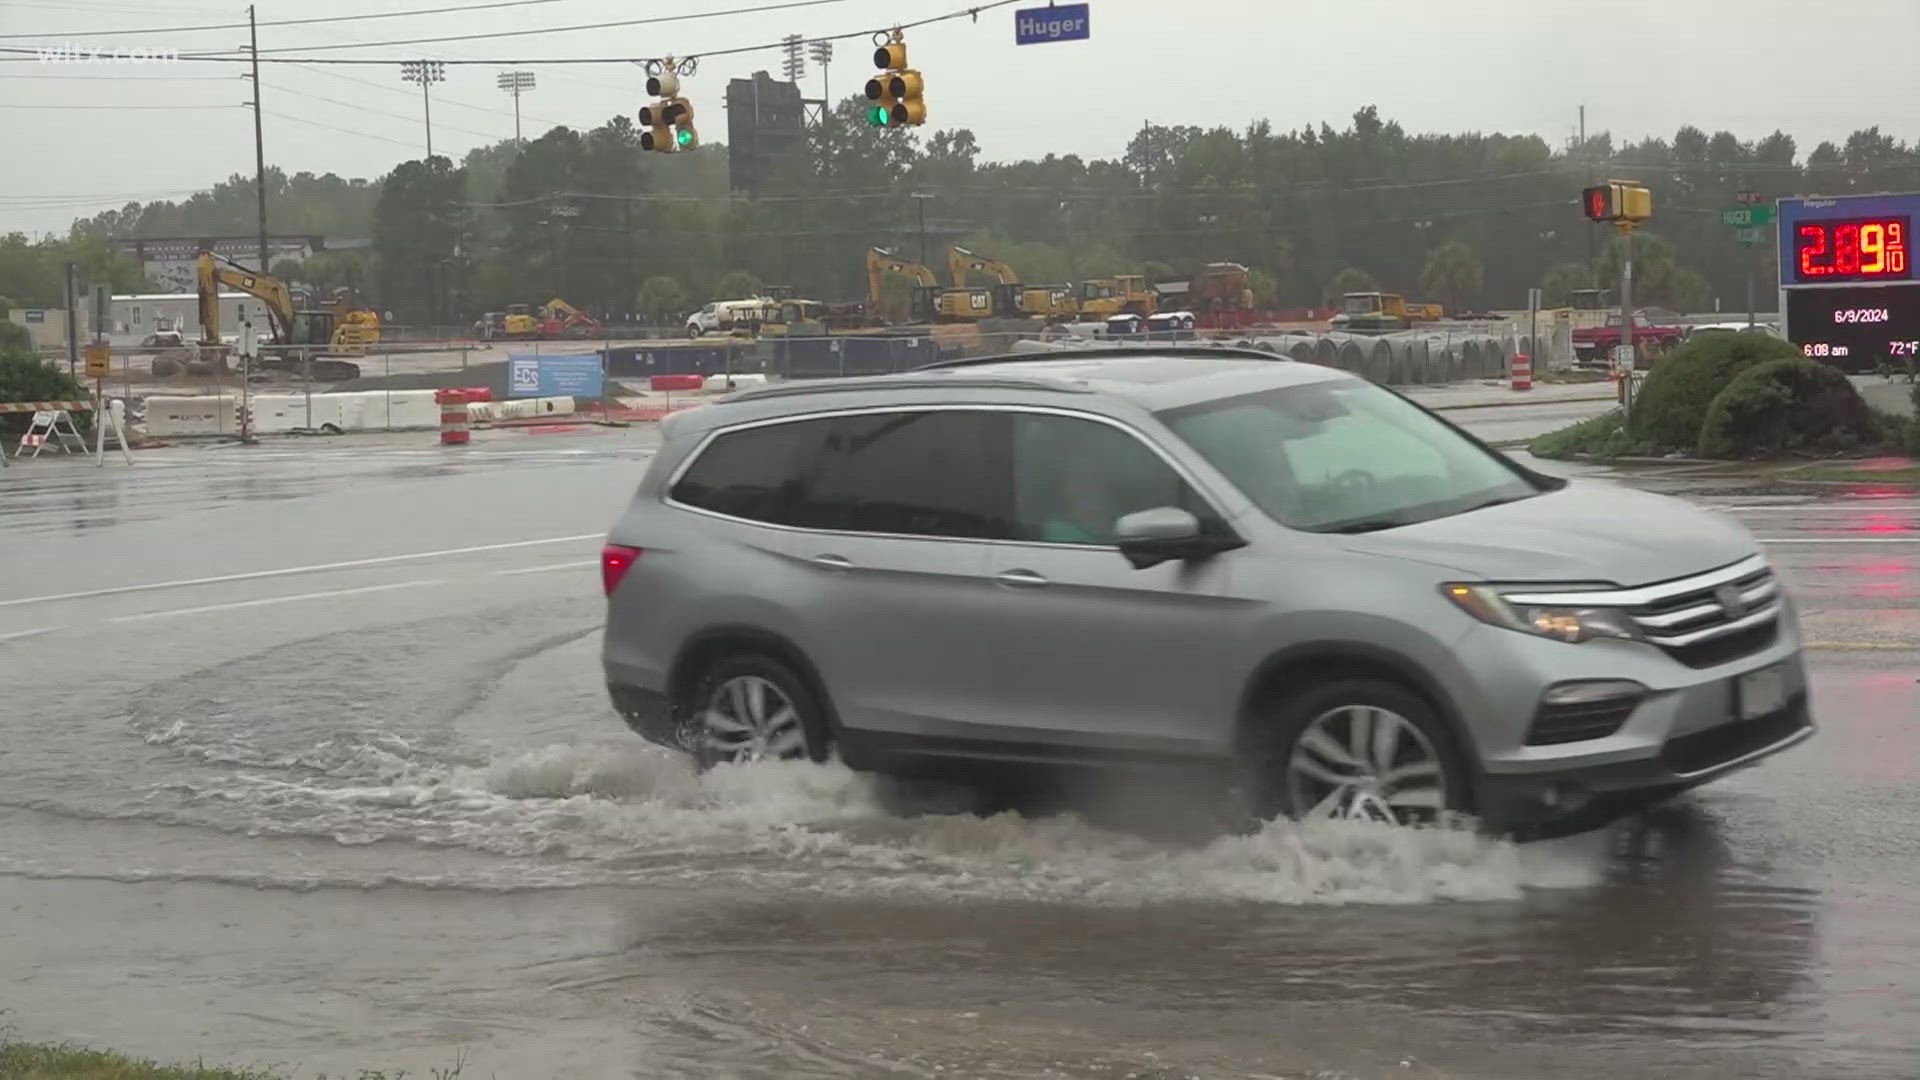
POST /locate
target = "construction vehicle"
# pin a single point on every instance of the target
(519, 322)
(1379, 313)
(297, 337)
(1218, 294)
(559, 319)
(1012, 299)
(1127, 294)
(930, 302)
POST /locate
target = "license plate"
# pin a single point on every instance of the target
(1758, 693)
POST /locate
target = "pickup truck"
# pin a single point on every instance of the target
(1594, 344)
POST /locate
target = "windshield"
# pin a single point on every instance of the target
(1345, 456)
(1360, 305)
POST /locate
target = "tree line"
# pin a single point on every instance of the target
(1468, 220)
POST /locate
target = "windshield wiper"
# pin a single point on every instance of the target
(1500, 500)
(1369, 525)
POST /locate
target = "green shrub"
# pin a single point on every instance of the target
(14, 338)
(1673, 400)
(25, 377)
(1787, 405)
(1597, 436)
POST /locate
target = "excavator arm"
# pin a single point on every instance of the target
(961, 262)
(881, 262)
(215, 272)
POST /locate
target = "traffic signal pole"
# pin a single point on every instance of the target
(1626, 317)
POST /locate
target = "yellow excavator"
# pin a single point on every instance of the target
(931, 303)
(337, 330)
(1010, 297)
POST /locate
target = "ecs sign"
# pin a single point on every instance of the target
(1057, 22)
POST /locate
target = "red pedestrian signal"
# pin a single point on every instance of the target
(1598, 202)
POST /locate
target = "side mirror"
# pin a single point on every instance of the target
(1165, 533)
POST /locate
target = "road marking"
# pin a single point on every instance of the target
(315, 568)
(263, 602)
(1909, 539)
(575, 565)
(1813, 507)
(17, 634)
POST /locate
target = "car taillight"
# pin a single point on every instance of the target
(615, 561)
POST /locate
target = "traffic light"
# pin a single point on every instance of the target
(1617, 201)
(670, 118)
(895, 92)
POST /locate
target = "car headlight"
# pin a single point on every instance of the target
(1561, 623)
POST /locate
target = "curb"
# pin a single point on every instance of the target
(1514, 404)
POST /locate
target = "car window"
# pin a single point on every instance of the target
(753, 473)
(935, 473)
(1073, 479)
(1345, 456)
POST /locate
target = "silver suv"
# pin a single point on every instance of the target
(1118, 557)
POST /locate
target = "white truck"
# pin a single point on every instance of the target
(727, 316)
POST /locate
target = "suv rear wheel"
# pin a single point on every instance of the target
(749, 707)
(1361, 749)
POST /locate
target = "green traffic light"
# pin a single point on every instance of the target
(879, 116)
(684, 138)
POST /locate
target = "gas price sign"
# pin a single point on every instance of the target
(1857, 249)
(1856, 328)
(1848, 287)
(1856, 238)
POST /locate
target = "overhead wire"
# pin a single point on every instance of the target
(19, 53)
(368, 16)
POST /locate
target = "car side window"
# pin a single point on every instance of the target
(1073, 479)
(754, 473)
(934, 473)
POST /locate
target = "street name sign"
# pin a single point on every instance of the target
(1056, 22)
(1746, 217)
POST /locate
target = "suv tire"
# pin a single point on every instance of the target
(748, 706)
(1408, 769)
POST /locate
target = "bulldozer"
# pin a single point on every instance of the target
(930, 302)
(1011, 299)
(298, 338)
(1127, 294)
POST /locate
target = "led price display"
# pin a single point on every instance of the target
(1856, 328)
(1852, 249)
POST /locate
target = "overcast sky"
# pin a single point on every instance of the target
(1816, 70)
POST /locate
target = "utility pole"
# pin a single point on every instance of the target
(1588, 158)
(515, 83)
(73, 322)
(259, 143)
(920, 201)
(426, 73)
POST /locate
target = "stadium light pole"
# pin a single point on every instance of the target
(426, 73)
(515, 83)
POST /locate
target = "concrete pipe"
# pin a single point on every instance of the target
(1352, 359)
(1497, 354)
(1420, 359)
(1469, 351)
(1326, 352)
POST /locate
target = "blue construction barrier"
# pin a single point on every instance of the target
(849, 354)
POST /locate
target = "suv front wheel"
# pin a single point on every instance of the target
(749, 707)
(1360, 749)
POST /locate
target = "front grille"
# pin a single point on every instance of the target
(1727, 647)
(1576, 722)
(1711, 618)
(1703, 750)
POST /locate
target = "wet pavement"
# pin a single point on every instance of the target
(308, 764)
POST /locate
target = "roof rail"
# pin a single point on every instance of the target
(1213, 352)
(892, 381)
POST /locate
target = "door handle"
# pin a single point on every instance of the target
(833, 562)
(1020, 579)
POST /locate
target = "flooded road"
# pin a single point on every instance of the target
(308, 763)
